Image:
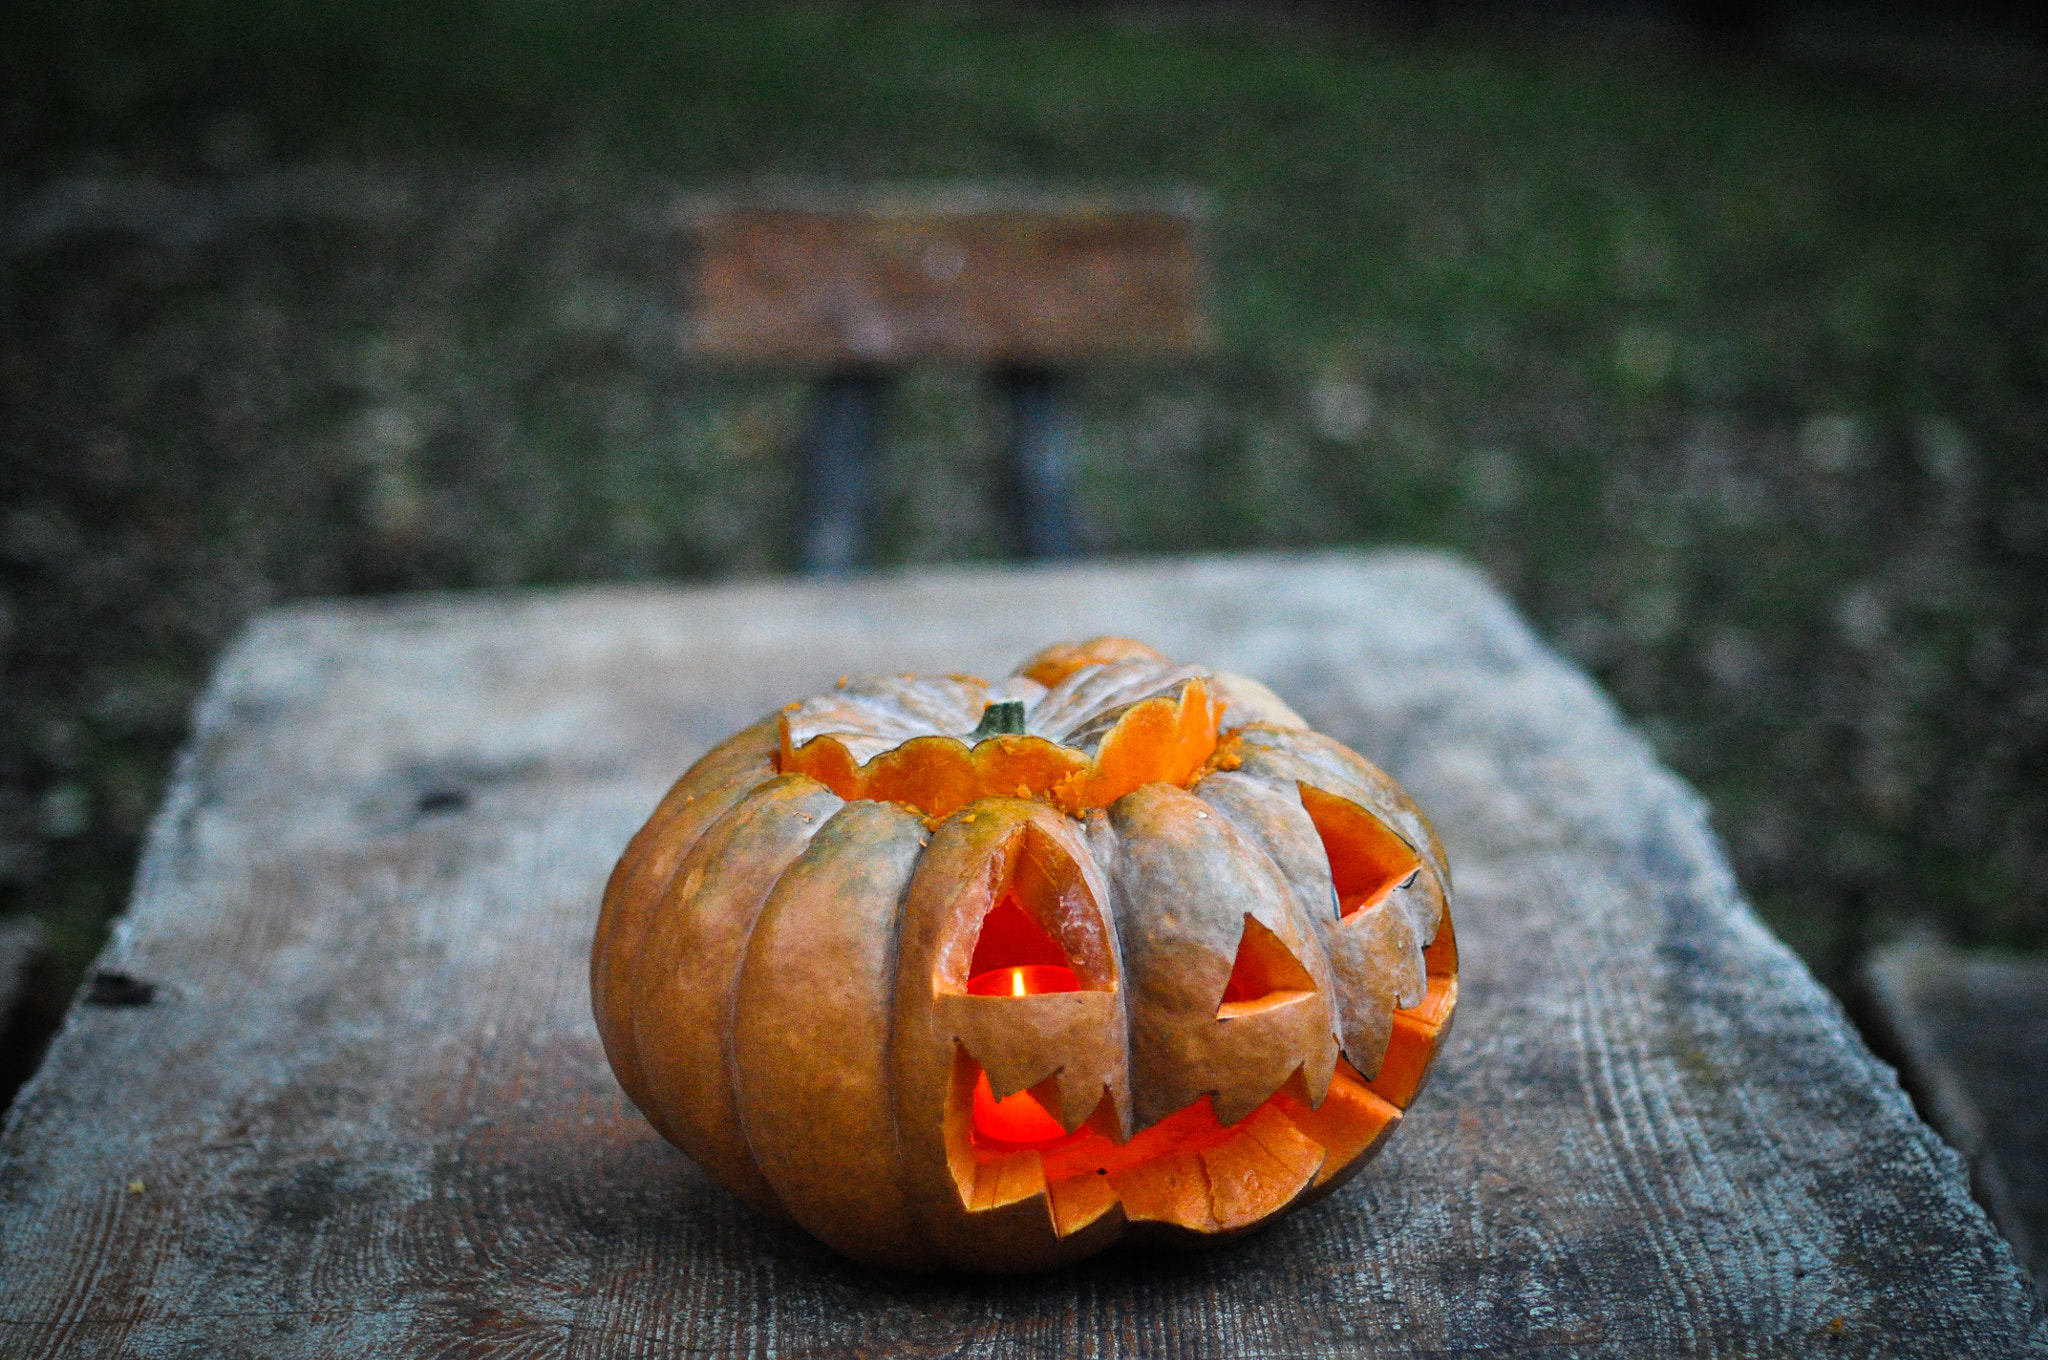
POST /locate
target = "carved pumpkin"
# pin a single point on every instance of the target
(972, 976)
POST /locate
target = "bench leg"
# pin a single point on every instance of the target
(838, 473)
(1038, 471)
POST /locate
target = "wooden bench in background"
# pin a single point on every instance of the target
(853, 285)
(366, 1112)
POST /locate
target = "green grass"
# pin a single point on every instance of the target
(1736, 375)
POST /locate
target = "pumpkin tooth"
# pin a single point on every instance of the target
(1173, 1188)
(1350, 1122)
(1080, 1202)
(1006, 1178)
(1258, 1172)
(1416, 1035)
(1250, 1170)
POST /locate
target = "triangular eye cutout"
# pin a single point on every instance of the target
(1367, 860)
(1010, 938)
(1026, 920)
(1265, 974)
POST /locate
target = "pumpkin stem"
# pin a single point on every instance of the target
(1003, 718)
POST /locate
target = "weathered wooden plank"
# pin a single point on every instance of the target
(1970, 1028)
(369, 1114)
(973, 277)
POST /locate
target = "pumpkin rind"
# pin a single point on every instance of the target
(691, 963)
(811, 1043)
(706, 792)
(1255, 920)
(1184, 871)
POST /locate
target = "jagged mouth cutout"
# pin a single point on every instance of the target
(1042, 962)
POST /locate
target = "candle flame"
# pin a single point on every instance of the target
(1029, 979)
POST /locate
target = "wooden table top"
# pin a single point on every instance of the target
(367, 1113)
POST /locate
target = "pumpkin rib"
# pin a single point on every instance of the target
(1291, 759)
(1375, 951)
(690, 974)
(1318, 759)
(707, 790)
(1050, 665)
(812, 1036)
(1280, 827)
(1012, 847)
(631, 874)
(1376, 954)
(894, 708)
(1189, 877)
(1245, 701)
(1084, 706)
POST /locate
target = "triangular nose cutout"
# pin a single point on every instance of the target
(1367, 860)
(1266, 971)
(1010, 938)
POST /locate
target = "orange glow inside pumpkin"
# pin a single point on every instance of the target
(1009, 936)
(1351, 1118)
(1017, 1118)
(1031, 979)
(1367, 860)
(1266, 973)
(1190, 1168)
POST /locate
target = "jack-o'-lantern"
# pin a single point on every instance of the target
(984, 977)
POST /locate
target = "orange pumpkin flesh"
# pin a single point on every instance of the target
(954, 995)
(1158, 740)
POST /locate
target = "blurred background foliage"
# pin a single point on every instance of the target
(1731, 366)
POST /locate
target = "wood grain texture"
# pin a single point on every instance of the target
(370, 1115)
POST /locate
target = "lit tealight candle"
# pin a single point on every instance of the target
(1030, 979)
(1017, 1118)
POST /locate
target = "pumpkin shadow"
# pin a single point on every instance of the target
(1131, 1267)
